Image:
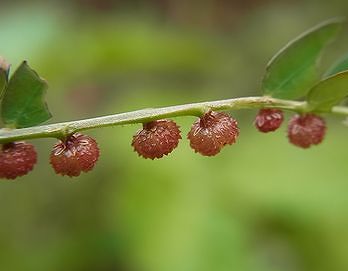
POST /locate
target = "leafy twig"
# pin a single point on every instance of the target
(63, 129)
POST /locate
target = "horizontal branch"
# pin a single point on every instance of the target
(64, 129)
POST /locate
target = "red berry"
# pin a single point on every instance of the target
(211, 132)
(268, 120)
(306, 130)
(16, 159)
(77, 153)
(157, 138)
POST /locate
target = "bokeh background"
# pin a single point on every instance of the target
(260, 205)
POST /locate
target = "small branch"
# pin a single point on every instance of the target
(62, 130)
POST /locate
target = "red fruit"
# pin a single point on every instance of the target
(306, 130)
(157, 138)
(16, 159)
(268, 120)
(211, 132)
(77, 153)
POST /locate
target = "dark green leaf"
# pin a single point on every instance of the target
(340, 66)
(23, 104)
(328, 92)
(3, 81)
(292, 71)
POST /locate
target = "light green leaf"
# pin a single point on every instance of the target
(329, 92)
(23, 103)
(293, 70)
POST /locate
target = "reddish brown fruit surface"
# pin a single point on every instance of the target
(210, 133)
(157, 138)
(77, 153)
(306, 130)
(268, 120)
(16, 159)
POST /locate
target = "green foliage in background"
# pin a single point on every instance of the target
(262, 205)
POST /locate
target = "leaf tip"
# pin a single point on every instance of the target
(4, 65)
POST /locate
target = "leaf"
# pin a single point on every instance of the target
(292, 71)
(329, 92)
(339, 66)
(4, 71)
(23, 104)
(3, 81)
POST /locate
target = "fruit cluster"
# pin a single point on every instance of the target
(208, 135)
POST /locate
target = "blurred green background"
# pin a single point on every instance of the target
(260, 205)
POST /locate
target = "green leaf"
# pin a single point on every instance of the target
(3, 81)
(329, 92)
(293, 70)
(23, 104)
(4, 71)
(339, 66)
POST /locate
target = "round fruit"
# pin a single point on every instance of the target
(211, 132)
(16, 159)
(157, 138)
(77, 153)
(306, 130)
(268, 120)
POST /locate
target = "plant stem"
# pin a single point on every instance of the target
(64, 129)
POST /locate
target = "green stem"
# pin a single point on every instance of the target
(64, 129)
